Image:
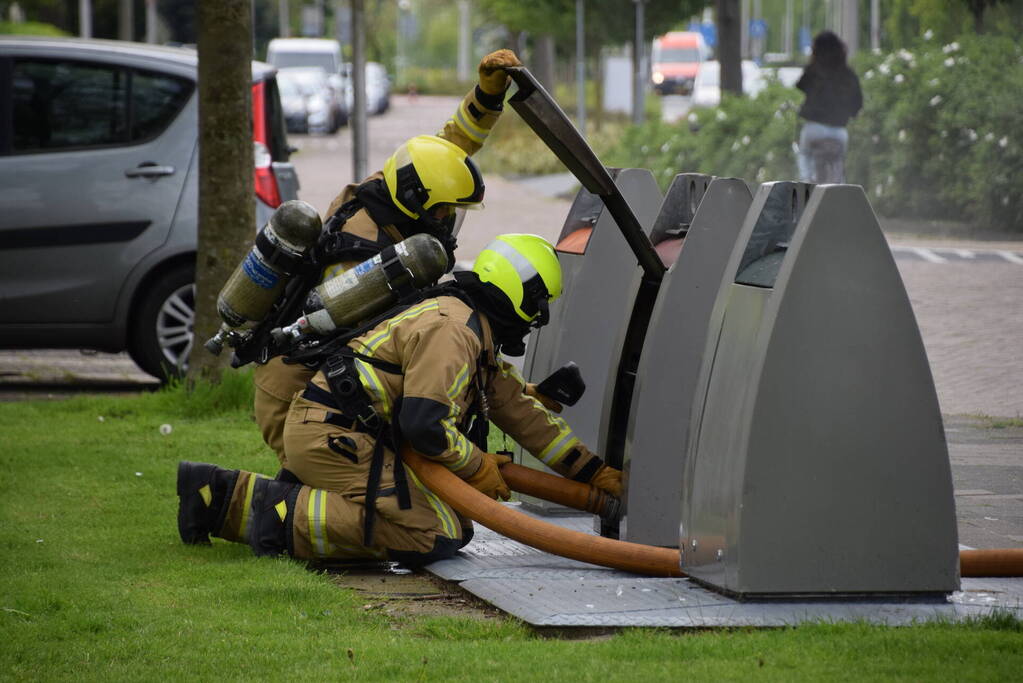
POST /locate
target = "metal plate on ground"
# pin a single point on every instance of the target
(547, 590)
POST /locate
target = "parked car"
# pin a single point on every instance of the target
(675, 58)
(707, 88)
(310, 102)
(99, 166)
(378, 88)
(315, 53)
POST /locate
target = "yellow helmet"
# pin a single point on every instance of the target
(428, 170)
(526, 270)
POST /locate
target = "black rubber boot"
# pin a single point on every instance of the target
(203, 494)
(270, 519)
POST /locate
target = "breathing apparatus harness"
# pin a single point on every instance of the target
(337, 360)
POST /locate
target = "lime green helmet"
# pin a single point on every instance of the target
(428, 170)
(526, 270)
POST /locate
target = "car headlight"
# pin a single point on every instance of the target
(658, 77)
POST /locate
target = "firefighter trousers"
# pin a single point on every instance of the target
(333, 462)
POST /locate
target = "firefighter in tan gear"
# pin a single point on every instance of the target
(416, 192)
(432, 375)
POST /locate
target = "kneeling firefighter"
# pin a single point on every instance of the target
(432, 374)
(416, 192)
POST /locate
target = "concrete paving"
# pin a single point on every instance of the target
(546, 590)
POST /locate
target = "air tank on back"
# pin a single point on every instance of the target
(259, 280)
(366, 289)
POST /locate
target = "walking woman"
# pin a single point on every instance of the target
(833, 97)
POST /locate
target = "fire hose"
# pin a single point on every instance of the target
(606, 552)
(630, 557)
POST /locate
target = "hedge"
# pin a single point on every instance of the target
(940, 134)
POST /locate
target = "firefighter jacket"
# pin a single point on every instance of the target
(446, 354)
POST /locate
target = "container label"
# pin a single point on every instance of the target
(259, 272)
(367, 266)
(333, 287)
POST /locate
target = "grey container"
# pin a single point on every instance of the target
(816, 463)
(598, 294)
(705, 215)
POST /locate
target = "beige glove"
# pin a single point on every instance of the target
(608, 479)
(493, 79)
(488, 479)
(548, 402)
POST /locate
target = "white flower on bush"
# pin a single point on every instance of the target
(883, 68)
(889, 180)
(988, 137)
(972, 134)
(902, 135)
(951, 47)
(745, 139)
(878, 190)
(869, 74)
(943, 133)
(692, 118)
(665, 147)
(934, 82)
(899, 78)
(906, 55)
(721, 115)
(1004, 142)
(936, 100)
(735, 146)
(761, 174)
(950, 61)
(769, 156)
(644, 149)
(928, 34)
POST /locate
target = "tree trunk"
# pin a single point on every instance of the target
(543, 58)
(729, 47)
(226, 202)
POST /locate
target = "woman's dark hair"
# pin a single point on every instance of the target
(828, 50)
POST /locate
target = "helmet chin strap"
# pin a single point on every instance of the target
(508, 328)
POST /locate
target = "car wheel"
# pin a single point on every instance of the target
(161, 330)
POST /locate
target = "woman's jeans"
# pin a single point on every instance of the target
(810, 132)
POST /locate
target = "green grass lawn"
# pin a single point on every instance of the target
(97, 586)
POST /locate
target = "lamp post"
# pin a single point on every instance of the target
(580, 65)
(638, 76)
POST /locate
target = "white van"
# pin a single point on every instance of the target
(322, 53)
(286, 53)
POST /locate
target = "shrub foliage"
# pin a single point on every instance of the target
(940, 135)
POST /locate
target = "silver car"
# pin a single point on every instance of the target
(99, 194)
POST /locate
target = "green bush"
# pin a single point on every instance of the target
(30, 28)
(940, 134)
(431, 81)
(744, 138)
